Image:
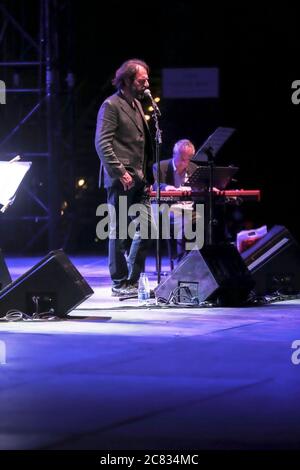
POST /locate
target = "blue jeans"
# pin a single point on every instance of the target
(127, 254)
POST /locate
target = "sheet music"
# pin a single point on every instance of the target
(11, 176)
(222, 176)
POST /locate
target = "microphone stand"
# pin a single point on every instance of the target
(158, 142)
(210, 196)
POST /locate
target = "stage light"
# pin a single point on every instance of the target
(81, 182)
(147, 117)
(150, 108)
(64, 206)
(157, 99)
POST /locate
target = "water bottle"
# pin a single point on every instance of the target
(143, 289)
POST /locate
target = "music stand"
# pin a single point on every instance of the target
(212, 145)
(210, 148)
(11, 176)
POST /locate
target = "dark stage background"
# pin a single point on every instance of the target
(257, 52)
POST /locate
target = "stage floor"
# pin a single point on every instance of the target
(130, 377)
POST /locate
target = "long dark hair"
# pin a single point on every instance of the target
(128, 71)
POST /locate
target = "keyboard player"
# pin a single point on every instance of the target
(174, 172)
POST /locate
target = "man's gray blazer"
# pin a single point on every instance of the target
(120, 141)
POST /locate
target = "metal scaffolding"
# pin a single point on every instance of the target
(36, 122)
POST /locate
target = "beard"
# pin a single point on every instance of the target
(137, 94)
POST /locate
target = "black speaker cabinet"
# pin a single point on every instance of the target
(5, 278)
(53, 283)
(274, 262)
(216, 272)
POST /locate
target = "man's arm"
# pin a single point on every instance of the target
(162, 185)
(107, 123)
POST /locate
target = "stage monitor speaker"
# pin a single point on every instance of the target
(53, 284)
(216, 272)
(274, 263)
(5, 278)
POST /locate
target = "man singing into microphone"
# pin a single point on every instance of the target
(123, 143)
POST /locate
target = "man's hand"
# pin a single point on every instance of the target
(127, 181)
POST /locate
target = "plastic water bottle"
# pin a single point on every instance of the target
(143, 289)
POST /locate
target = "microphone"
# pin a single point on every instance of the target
(147, 93)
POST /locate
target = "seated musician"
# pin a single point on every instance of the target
(174, 172)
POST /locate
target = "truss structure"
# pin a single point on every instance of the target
(36, 122)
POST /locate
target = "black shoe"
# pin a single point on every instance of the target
(130, 290)
(116, 291)
(125, 290)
